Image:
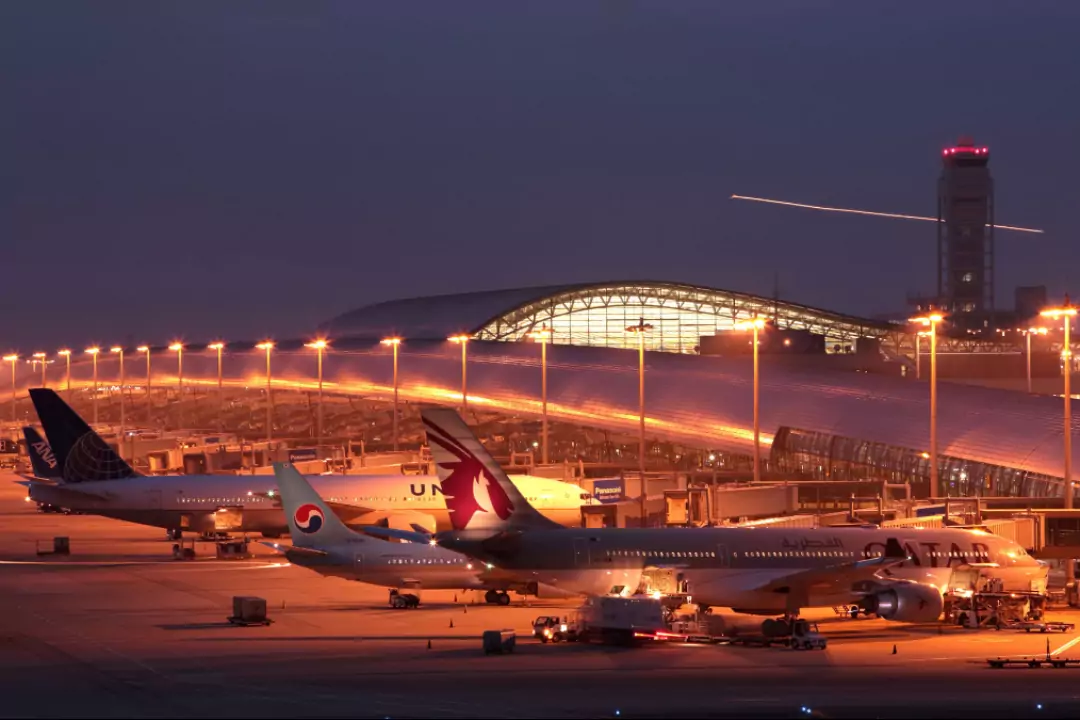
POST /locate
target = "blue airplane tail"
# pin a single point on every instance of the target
(42, 458)
(81, 454)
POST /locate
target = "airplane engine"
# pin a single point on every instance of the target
(906, 603)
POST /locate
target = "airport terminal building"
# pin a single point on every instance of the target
(819, 420)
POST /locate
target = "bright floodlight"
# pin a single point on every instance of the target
(92, 351)
(319, 344)
(215, 346)
(1058, 312)
(176, 347)
(392, 341)
(65, 351)
(143, 348)
(541, 334)
(11, 358)
(460, 338)
(931, 319)
(116, 349)
(751, 324)
(1036, 331)
(40, 355)
(266, 345)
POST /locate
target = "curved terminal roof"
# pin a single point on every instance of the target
(511, 314)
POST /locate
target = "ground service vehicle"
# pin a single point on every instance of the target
(797, 634)
(616, 620)
(549, 628)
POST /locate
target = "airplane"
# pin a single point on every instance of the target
(94, 479)
(321, 542)
(900, 574)
(43, 462)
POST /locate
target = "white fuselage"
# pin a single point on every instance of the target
(246, 503)
(728, 567)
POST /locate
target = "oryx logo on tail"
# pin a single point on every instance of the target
(45, 453)
(470, 488)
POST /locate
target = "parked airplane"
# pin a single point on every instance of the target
(898, 573)
(94, 479)
(321, 542)
(43, 462)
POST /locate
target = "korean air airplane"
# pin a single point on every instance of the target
(321, 542)
(81, 472)
(898, 573)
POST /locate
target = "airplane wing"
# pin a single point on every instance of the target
(837, 577)
(293, 549)
(346, 511)
(385, 533)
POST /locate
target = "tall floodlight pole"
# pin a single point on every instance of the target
(1066, 313)
(268, 346)
(67, 356)
(394, 343)
(149, 407)
(13, 358)
(120, 352)
(463, 340)
(320, 346)
(542, 336)
(42, 357)
(1029, 332)
(755, 325)
(177, 348)
(640, 329)
(219, 346)
(93, 352)
(931, 321)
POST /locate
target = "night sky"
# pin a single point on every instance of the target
(244, 168)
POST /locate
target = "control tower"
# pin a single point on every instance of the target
(965, 235)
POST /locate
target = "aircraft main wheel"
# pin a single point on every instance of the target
(502, 598)
(491, 597)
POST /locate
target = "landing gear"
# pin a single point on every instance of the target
(174, 534)
(497, 597)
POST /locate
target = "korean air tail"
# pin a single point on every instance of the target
(312, 524)
(80, 453)
(479, 495)
(42, 458)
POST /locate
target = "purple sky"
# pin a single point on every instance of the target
(238, 169)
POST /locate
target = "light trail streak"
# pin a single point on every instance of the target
(853, 211)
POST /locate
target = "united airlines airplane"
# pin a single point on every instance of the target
(898, 573)
(83, 473)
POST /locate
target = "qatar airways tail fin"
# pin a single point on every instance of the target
(479, 495)
(312, 524)
(42, 458)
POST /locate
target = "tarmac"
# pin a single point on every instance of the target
(120, 629)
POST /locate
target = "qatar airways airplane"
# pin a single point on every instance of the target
(79, 471)
(898, 573)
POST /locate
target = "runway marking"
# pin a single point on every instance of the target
(1067, 645)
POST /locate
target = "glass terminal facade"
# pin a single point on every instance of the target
(679, 314)
(822, 456)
